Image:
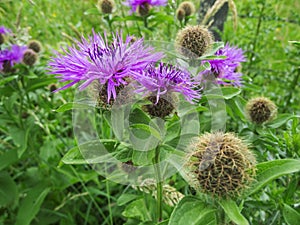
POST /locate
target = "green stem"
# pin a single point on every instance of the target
(257, 33)
(108, 201)
(159, 184)
(221, 220)
(293, 86)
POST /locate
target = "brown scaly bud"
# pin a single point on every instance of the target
(180, 14)
(106, 6)
(193, 41)
(35, 46)
(143, 10)
(30, 57)
(187, 7)
(260, 110)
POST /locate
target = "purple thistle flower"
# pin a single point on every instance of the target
(95, 59)
(13, 55)
(166, 79)
(135, 3)
(4, 30)
(225, 69)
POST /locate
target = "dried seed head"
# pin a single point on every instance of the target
(164, 107)
(30, 57)
(220, 164)
(180, 14)
(106, 6)
(260, 110)
(35, 46)
(187, 7)
(193, 41)
(143, 9)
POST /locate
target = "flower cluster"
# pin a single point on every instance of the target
(95, 60)
(225, 70)
(12, 54)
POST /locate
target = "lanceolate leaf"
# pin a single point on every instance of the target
(268, 171)
(233, 212)
(192, 211)
(291, 216)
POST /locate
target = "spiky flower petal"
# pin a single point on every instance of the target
(165, 79)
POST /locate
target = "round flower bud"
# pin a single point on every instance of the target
(35, 46)
(143, 10)
(29, 57)
(7, 67)
(164, 107)
(187, 7)
(260, 110)
(220, 164)
(193, 41)
(106, 6)
(180, 14)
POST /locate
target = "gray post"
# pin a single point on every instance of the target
(219, 18)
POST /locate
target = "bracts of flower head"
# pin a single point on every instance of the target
(94, 59)
(159, 83)
(220, 164)
(224, 71)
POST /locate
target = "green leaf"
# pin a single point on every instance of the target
(281, 120)
(138, 210)
(7, 158)
(72, 105)
(148, 129)
(5, 80)
(92, 11)
(20, 138)
(192, 211)
(233, 212)
(268, 171)
(31, 204)
(8, 189)
(291, 216)
(39, 82)
(143, 158)
(230, 92)
(126, 198)
(90, 152)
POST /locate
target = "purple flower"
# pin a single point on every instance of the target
(13, 55)
(95, 59)
(166, 79)
(135, 3)
(224, 70)
(4, 30)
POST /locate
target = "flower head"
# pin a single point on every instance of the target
(166, 79)
(134, 4)
(224, 70)
(4, 30)
(109, 64)
(13, 55)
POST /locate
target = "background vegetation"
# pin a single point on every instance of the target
(36, 187)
